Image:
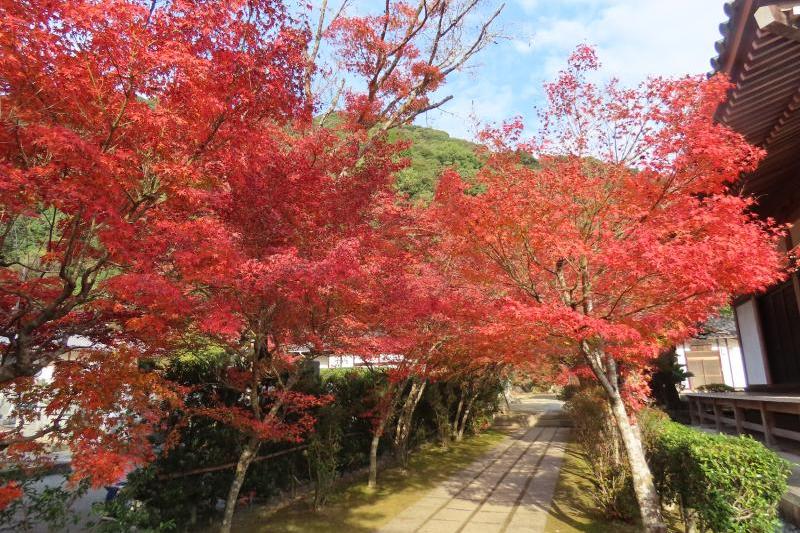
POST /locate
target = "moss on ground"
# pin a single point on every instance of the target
(356, 509)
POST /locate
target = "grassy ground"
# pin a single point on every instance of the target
(356, 509)
(573, 509)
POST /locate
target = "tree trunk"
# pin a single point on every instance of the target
(245, 458)
(404, 421)
(441, 412)
(457, 419)
(643, 486)
(464, 418)
(605, 369)
(373, 453)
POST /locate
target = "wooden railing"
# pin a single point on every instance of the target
(728, 409)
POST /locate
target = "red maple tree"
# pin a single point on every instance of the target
(115, 117)
(275, 252)
(622, 239)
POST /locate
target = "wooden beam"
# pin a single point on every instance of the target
(767, 421)
(737, 37)
(738, 414)
(775, 21)
(717, 415)
(793, 106)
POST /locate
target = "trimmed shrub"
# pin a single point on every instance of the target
(567, 392)
(720, 483)
(715, 387)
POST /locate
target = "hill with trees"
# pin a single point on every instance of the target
(431, 152)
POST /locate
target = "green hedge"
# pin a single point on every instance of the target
(174, 492)
(721, 483)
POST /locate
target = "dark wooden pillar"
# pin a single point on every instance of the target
(768, 423)
(738, 415)
(717, 415)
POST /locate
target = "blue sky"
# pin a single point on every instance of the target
(634, 38)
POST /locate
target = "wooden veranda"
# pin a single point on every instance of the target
(770, 415)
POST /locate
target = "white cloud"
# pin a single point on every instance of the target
(528, 5)
(635, 38)
(476, 102)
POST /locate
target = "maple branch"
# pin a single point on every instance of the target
(311, 56)
(480, 42)
(334, 103)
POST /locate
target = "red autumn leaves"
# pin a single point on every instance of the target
(173, 180)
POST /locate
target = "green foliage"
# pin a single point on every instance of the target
(601, 447)
(27, 237)
(664, 381)
(178, 491)
(715, 387)
(432, 151)
(122, 515)
(722, 483)
(41, 504)
(323, 453)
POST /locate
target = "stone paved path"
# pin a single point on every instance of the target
(509, 490)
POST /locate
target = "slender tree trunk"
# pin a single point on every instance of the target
(404, 421)
(464, 418)
(245, 458)
(457, 419)
(373, 461)
(506, 403)
(643, 485)
(441, 412)
(373, 452)
(605, 369)
(250, 449)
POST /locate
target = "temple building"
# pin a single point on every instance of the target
(760, 52)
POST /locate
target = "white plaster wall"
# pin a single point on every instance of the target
(680, 352)
(752, 345)
(338, 361)
(732, 365)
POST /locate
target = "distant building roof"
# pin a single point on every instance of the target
(718, 327)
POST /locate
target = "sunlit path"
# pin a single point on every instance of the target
(509, 490)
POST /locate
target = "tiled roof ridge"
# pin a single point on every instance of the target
(725, 29)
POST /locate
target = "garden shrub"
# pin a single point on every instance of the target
(323, 451)
(601, 446)
(715, 387)
(41, 504)
(176, 493)
(567, 392)
(721, 483)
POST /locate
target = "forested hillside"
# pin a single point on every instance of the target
(431, 152)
